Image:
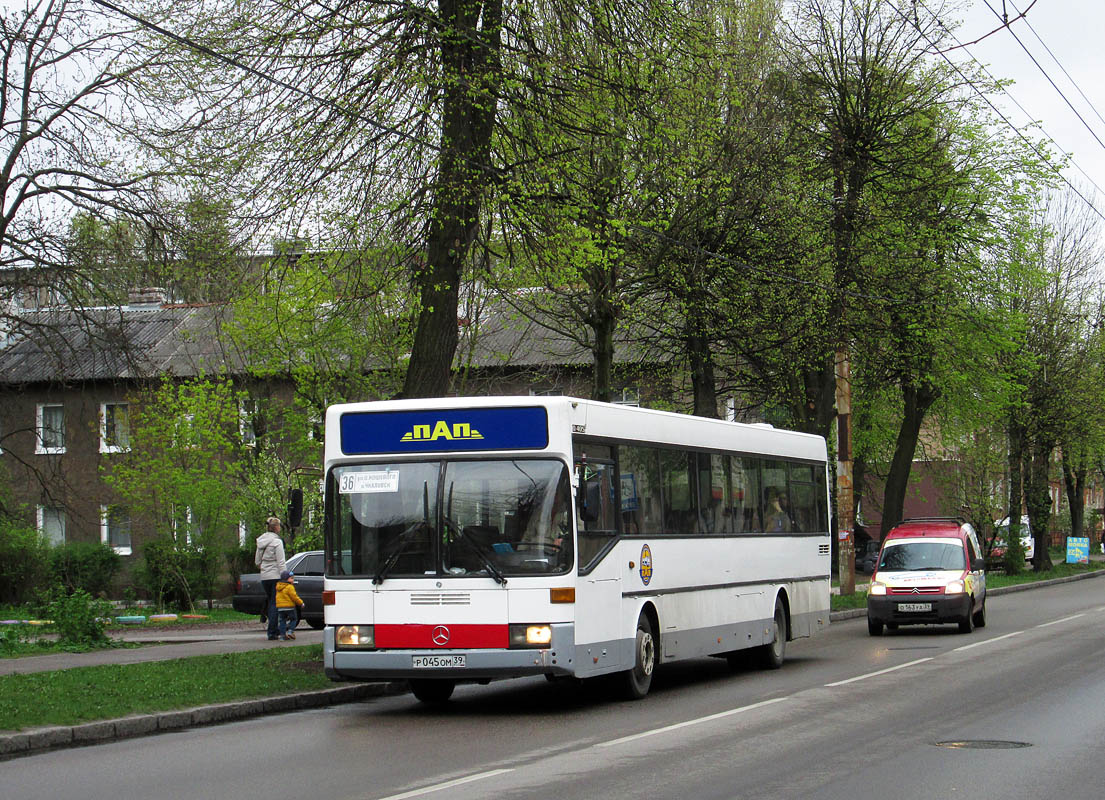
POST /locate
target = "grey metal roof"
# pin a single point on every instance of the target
(117, 343)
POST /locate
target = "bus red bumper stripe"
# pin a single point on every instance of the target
(442, 637)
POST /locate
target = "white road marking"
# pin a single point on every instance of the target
(880, 672)
(987, 641)
(690, 722)
(1057, 621)
(447, 784)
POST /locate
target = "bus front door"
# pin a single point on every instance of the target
(598, 616)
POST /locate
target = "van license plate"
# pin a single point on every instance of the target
(436, 662)
(915, 607)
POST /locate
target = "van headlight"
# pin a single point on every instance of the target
(877, 588)
(530, 636)
(955, 587)
(354, 637)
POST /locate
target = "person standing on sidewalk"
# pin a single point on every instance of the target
(288, 604)
(270, 560)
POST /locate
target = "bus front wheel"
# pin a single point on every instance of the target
(432, 691)
(774, 652)
(638, 680)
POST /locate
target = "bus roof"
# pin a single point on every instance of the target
(590, 418)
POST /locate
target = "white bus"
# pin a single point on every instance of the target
(472, 539)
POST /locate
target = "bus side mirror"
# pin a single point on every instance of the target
(295, 508)
(590, 500)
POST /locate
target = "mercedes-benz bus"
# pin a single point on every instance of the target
(474, 539)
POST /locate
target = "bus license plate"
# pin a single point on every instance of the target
(436, 662)
(915, 607)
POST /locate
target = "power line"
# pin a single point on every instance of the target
(1032, 145)
(1049, 80)
(1054, 58)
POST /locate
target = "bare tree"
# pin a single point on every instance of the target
(66, 106)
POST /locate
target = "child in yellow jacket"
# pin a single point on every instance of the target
(287, 603)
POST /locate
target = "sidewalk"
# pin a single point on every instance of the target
(163, 644)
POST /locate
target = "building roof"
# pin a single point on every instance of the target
(127, 342)
(146, 341)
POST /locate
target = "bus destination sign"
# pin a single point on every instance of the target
(455, 430)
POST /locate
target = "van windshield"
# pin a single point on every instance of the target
(915, 556)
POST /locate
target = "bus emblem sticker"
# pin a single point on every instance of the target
(646, 565)
(440, 636)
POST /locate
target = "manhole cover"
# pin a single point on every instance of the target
(983, 744)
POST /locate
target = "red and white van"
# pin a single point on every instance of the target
(930, 571)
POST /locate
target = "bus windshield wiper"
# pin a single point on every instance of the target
(405, 538)
(461, 536)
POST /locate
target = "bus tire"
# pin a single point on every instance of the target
(772, 654)
(637, 681)
(432, 692)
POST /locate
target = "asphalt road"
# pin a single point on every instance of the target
(848, 716)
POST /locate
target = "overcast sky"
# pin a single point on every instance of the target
(1074, 32)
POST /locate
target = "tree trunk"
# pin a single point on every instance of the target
(1038, 498)
(1016, 478)
(470, 78)
(917, 400)
(702, 375)
(1074, 482)
(603, 353)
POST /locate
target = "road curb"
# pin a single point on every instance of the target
(41, 740)
(852, 613)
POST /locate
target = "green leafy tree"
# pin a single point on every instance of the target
(184, 471)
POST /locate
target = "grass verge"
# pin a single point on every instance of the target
(86, 694)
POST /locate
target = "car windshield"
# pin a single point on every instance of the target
(911, 556)
(457, 518)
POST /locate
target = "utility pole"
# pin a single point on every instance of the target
(846, 550)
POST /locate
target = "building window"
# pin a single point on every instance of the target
(184, 525)
(247, 410)
(51, 524)
(629, 396)
(114, 427)
(50, 428)
(115, 529)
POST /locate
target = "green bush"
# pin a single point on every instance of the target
(239, 561)
(78, 618)
(84, 566)
(175, 575)
(24, 562)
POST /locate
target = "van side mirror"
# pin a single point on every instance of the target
(295, 508)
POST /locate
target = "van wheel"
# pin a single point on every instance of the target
(772, 654)
(637, 681)
(874, 627)
(967, 624)
(432, 692)
(980, 615)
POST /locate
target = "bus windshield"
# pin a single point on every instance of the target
(487, 518)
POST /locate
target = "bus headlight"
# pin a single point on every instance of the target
(876, 588)
(354, 637)
(530, 635)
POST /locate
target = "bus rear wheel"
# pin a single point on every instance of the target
(772, 654)
(432, 692)
(637, 681)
